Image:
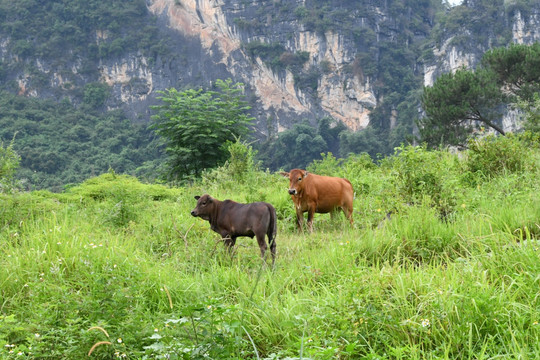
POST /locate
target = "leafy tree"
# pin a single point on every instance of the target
(330, 130)
(195, 126)
(367, 140)
(517, 68)
(459, 103)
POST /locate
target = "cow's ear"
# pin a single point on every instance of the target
(306, 174)
(285, 174)
(197, 197)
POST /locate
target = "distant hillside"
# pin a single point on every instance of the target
(360, 62)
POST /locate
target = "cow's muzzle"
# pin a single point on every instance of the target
(193, 213)
(292, 191)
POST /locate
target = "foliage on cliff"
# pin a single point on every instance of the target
(62, 144)
(66, 31)
(460, 103)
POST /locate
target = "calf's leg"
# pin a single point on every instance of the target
(229, 243)
(262, 244)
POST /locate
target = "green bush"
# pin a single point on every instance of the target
(241, 161)
(496, 155)
(424, 177)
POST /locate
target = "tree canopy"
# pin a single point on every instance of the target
(517, 68)
(195, 126)
(457, 104)
(460, 102)
(303, 143)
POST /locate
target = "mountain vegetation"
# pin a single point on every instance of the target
(53, 54)
(61, 144)
(66, 32)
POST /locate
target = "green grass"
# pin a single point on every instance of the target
(438, 280)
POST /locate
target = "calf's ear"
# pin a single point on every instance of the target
(197, 197)
(306, 174)
(283, 173)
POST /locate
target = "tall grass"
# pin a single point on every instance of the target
(444, 269)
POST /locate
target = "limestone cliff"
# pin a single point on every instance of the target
(224, 27)
(358, 61)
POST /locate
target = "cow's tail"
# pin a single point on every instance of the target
(272, 231)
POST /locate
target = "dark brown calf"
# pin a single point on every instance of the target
(231, 220)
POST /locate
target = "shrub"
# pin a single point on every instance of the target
(122, 196)
(495, 155)
(241, 162)
(421, 176)
(326, 166)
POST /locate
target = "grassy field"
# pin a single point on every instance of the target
(119, 269)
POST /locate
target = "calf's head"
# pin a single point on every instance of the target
(296, 180)
(205, 206)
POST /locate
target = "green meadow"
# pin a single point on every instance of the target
(443, 262)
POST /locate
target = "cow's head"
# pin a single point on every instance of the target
(296, 181)
(205, 206)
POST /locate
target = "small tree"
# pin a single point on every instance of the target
(459, 103)
(195, 126)
(241, 161)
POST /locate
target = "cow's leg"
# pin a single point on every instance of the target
(229, 243)
(348, 210)
(311, 213)
(262, 244)
(299, 220)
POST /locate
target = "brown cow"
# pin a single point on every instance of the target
(231, 220)
(318, 194)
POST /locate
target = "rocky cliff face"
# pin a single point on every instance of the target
(224, 27)
(449, 56)
(277, 97)
(299, 59)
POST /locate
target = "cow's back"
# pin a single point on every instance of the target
(241, 218)
(328, 192)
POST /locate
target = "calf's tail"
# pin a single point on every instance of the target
(272, 231)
